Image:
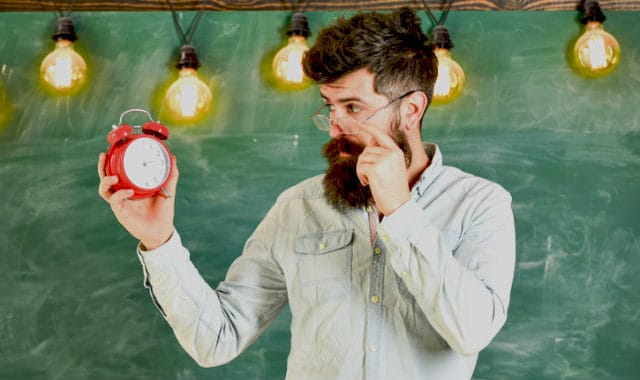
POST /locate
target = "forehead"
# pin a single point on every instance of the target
(355, 85)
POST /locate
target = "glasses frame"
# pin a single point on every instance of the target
(324, 123)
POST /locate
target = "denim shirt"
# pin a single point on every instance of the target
(414, 296)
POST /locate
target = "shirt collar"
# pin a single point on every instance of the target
(432, 171)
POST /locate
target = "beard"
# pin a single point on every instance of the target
(342, 187)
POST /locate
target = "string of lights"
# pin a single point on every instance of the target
(188, 99)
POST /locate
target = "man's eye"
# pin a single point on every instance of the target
(353, 108)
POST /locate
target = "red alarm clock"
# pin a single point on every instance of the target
(142, 161)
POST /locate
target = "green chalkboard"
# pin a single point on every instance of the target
(72, 304)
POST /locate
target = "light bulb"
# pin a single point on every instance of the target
(287, 64)
(188, 98)
(450, 79)
(64, 70)
(596, 52)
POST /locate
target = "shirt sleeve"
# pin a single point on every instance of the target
(216, 325)
(464, 291)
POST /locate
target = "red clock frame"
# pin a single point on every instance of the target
(120, 138)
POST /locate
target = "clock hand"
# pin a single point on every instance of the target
(145, 163)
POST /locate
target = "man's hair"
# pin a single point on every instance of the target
(391, 46)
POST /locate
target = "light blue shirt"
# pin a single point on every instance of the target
(415, 296)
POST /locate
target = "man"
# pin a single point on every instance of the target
(394, 266)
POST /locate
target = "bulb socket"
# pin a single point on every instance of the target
(64, 30)
(440, 37)
(188, 58)
(299, 25)
(591, 11)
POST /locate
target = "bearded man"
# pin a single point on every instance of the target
(394, 265)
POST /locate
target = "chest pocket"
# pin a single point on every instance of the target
(324, 262)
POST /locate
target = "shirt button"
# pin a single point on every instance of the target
(404, 274)
(321, 246)
(385, 238)
(375, 299)
(377, 250)
(373, 348)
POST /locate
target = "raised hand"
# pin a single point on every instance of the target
(382, 167)
(149, 219)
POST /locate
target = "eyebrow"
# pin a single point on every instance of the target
(342, 100)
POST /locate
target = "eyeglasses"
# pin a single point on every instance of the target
(322, 117)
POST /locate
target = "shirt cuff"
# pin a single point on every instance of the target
(157, 262)
(406, 221)
(162, 257)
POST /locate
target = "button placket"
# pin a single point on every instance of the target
(375, 308)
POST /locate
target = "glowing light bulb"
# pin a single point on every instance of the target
(450, 81)
(64, 70)
(450, 78)
(287, 64)
(596, 52)
(188, 99)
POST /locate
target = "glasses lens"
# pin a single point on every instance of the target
(348, 125)
(321, 122)
(321, 118)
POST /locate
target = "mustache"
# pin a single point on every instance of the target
(334, 147)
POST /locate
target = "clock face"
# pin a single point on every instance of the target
(146, 163)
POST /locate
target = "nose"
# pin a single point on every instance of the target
(343, 125)
(335, 130)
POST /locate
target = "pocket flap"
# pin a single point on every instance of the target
(323, 242)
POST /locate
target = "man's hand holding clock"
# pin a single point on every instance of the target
(148, 219)
(138, 176)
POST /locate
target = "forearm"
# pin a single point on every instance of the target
(191, 307)
(461, 308)
(464, 294)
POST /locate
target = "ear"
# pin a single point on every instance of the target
(413, 108)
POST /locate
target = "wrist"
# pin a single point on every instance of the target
(394, 204)
(151, 244)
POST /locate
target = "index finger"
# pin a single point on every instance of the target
(102, 158)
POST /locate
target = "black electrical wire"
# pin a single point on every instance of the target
(62, 14)
(296, 4)
(186, 37)
(433, 18)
